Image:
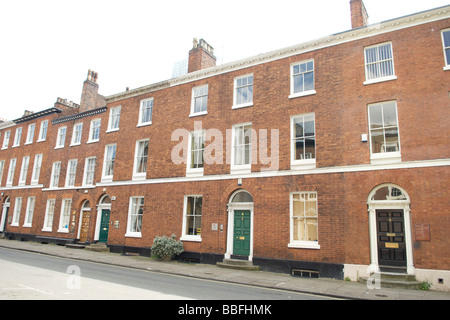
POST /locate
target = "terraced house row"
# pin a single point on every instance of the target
(328, 158)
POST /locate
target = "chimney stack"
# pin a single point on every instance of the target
(90, 98)
(360, 18)
(201, 56)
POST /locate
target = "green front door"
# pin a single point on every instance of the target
(104, 226)
(241, 238)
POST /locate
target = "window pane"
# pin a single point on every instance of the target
(446, 36)
(391, 140)
(389, 115)
(309, 81)
(377, 137)
(376, 117)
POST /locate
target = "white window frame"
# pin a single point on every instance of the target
(195, 97)
(6, 138)
(77, 134)
(447, 61)
(131, 214)
(235, 89)
(379, 79)
(56, 174)
(385, 157)
(241, 168)
(106, 163)
(31, 202)
(36, 169)
(194, 172)
(2, 168)
(64, 218)
(141, 109)
(24, 170)
(71, 170)
(49, 215)
(302, 244)
(17, 137)
(114, 119)
(307, 163)
(89, 171)
(185, 236)
(43, 131)
(30, 133)
(94, 130)
(61, 137)
(11, 171)
(16, 215)
(303, 92)
(140, 175)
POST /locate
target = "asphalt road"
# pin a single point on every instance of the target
(25, 275)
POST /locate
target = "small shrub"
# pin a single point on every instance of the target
(166, 248)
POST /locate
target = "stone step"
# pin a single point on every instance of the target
(97, 247)
(238, 265)
(75, 246)
(393, 280)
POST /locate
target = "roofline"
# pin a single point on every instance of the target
(313, 45)
(36, 115)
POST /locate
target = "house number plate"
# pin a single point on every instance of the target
(391, 245)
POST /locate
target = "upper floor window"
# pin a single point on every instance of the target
(56, 171)
(242, 147)
(61, 138)
(196, 153)
(76, 135)
(94, 132)
(302, 78)
(36, 169)
(140, 160)
(17, 137)
(89, 171)
(6, 139)
(11, 171)
(24, 170)
(30, 134)
(384, 131)
(43, 131)
(114, 118)
(243, 91)
(199, 103)
(146, 112)
(2, 167)
(379, 60)
(303, 140)
(108, 163)
(71, 172)
(446, 44)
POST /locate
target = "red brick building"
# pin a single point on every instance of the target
(330, 156)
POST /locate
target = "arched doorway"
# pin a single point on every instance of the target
(85, 217)
(390, 230)
(103, 218)
(5, 212)
(240, 226)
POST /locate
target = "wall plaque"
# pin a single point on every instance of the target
(423, 232)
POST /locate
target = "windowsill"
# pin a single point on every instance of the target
(112, 130)
(133, 235)
(41, 140)
(144, 124)
(386, 158)
(240, 169)
(198, 114)
(28, 225)
(302, 94)
(243, 105)
(303, 164)
(63, 230)
(47, 230)
(139, 177)
(93, 141)
(14, 224)
(378, 80)
(191, 238)
(107, 179)
(4, 148)
(304, 245)
(27, 143)
(446, 68)
(16, 145)
(194, 173)
(75, 144)
(59, 147)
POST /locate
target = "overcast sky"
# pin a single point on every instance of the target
(47, 46)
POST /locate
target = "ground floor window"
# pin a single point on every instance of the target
(135, 214)
(192, 222)
(304, 220)
(49, 213)
(65, 215)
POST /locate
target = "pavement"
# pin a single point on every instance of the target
(328, 287)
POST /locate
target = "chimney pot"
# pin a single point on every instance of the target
(201, 56)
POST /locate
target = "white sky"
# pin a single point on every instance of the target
(47, 46)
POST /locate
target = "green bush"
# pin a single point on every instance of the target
(166, 248)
